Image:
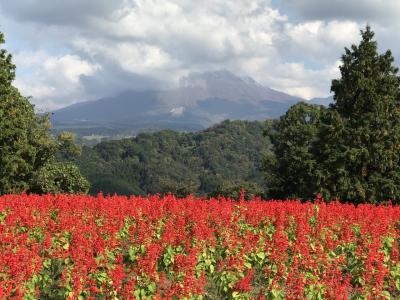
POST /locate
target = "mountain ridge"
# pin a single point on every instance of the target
(200, 101)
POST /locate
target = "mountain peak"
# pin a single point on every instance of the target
(223, 84)
(205, 79)
(201, 100)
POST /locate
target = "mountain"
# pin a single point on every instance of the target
(200, 100)
(322, 101)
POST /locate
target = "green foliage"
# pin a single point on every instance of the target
(351, 149)
(225, 155)
(233, 189)
(56, 176)
(364, 127)
(15, 123)
(290, 168)
(27, 151)
(67, 149)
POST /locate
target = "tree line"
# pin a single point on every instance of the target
(350, 150)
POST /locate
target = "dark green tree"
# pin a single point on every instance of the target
(361, 159)
(351, 150)
(27, 151)
(234, 189)
(290, 167)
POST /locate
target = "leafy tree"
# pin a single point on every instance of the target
(218, 159)
(57, 177)
(362, 161)
(27, 151)
(290, 167)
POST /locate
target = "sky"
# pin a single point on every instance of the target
(67, 51)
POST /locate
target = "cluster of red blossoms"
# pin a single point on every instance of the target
(70, 247)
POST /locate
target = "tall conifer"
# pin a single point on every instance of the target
(361, 134)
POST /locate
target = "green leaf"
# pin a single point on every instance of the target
(397, 283)
(152, 287)
(211, 268)
(235, 294)
(248, 265)
(261, 255)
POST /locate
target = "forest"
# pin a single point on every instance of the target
(221, 160)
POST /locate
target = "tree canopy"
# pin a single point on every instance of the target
(351, 150)
(366, 165)
(218, 161)
(290, 168)
(27, 151)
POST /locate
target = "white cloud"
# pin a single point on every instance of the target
(55, 80)
(68, 67)
(100, 47)
(296, 79)
(168, 40)
(319, 41)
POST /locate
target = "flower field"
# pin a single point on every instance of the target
(82, 247)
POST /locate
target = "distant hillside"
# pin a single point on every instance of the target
(201, 100)
(322, 101)
(222, 158)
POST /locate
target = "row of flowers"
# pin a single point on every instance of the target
(83, 247)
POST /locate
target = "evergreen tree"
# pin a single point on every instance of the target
(352, 149)
(27, 151)
(290, 167)
(361, 157)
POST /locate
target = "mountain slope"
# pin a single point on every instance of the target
(322, 101)
(201, 100)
